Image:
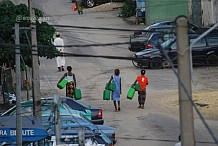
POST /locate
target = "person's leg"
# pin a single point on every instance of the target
(115, 105)
(143, 97)
(139, 99)
(62, 63)
(118, 105)
(58, 63)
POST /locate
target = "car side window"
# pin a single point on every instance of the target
(199, 43)
(173, 46)
(212, 40)
(167, 37)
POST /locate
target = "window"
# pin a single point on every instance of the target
(199, 43)
(212, 40)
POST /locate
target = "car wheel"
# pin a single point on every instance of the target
(166, 64)
(89, 3)
(156, 63)
(135, 63)
(212, 60)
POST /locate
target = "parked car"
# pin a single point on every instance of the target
(96, 111)
(137, 42)
(139, 38)
(75, 122)
(47, 109)
(70, 137)
(157, 38)
(92, 3)
(204, 52)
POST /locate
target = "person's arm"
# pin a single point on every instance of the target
(74, 79)
(109, 83)
(134, 83)
(120, 87)
(62, 77)
(110, 79)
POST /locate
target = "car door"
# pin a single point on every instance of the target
(199, 49)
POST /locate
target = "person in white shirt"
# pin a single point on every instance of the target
(179, 143)
(60, 59)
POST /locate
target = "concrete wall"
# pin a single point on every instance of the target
(209, 12)
(158, 10)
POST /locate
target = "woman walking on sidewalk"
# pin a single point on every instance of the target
(116, 79)
(71, 82)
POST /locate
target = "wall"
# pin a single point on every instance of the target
(209, 12)
(158, 10)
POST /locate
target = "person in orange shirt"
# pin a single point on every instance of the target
(143, 81)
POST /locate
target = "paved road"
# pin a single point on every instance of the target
(156, 125)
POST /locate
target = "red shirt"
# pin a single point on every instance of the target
(143, 81)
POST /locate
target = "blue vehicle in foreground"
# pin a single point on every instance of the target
(96, 111)
(75, 122)
(70, 137)
(47, 109)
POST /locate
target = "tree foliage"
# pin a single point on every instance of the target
(9, 13)
(128, 8)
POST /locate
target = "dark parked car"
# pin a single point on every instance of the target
(157, 38)
(137, 42)
(204, 52)
(92, 3)
(139, 39)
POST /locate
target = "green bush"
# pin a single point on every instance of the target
(128, 8)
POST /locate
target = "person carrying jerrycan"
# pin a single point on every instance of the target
(143, 82)
(71, 82)
(116, 79)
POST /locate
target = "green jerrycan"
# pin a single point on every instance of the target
(111, 87)
(130, 93)
(106, 95)
(77, 94)
(137, 87)
(62, 83)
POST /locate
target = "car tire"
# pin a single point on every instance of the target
(165, 64)
(212, 60)
(89, 3)
(156, 63)
(134, 62)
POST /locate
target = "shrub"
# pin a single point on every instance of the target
(128, 8)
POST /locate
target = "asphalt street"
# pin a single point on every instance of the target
(155, 125)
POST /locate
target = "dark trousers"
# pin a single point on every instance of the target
(141, 97)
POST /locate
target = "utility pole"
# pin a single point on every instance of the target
(57, 120)
(18, 88)
(185, 105)
(35, 63)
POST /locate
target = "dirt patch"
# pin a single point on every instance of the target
(106, 7)
(206, 101)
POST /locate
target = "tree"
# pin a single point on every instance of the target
(8, 15)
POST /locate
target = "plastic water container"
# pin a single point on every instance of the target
(77, 94)
(131, 93)
(111, 87)
(106, 95)
(137, 87)
(62, 83)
